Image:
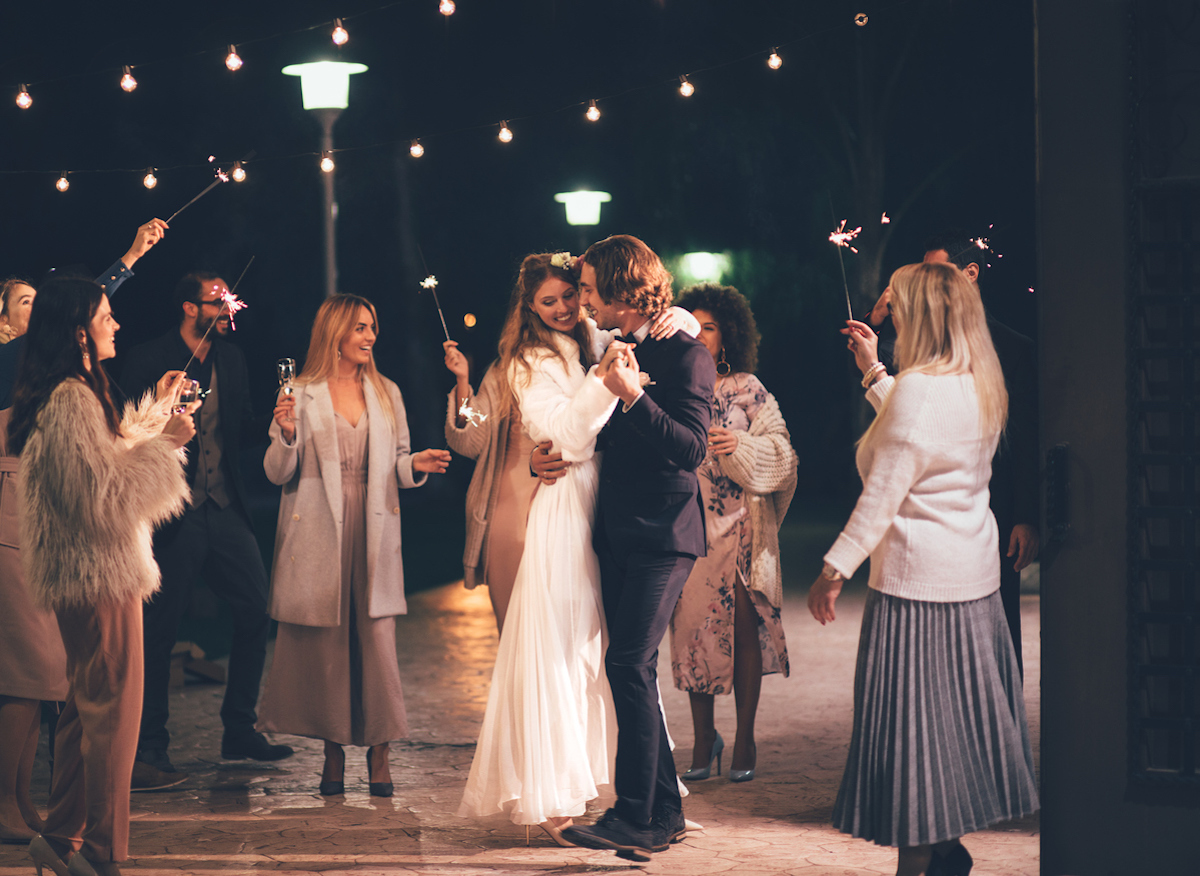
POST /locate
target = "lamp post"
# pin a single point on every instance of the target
(325, 87)
(583, 209)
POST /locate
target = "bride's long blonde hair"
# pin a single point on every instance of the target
(524, 330)
(941, 328)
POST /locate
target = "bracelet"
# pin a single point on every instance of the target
(871, 374)
(832, 574)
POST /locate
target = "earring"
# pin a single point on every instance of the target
(339, 353)
(721, 361)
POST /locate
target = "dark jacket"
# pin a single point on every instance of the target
(649, 493)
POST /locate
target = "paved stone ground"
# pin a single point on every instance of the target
(243, 817)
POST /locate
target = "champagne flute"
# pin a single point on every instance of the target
(286, 369)
(189, 392)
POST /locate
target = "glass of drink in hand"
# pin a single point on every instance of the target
(286, 368)
(189, 392)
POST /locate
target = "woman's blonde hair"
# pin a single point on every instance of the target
(524, 330)
(941, 328)
(336, 318)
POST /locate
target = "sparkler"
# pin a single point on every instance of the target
(430, 283)
(471, 415)
(229, 303)
(840, 237)
(886, 220)
(222, 176)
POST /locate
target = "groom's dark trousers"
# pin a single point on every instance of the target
(649, 532)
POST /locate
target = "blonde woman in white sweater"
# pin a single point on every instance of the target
(940, 745)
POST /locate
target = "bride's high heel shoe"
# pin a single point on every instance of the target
(554, 831)
(696, 774)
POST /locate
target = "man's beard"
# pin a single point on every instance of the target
(203, 325)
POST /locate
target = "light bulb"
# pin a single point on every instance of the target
(774, 61)
(24, 101)
(686, 88)
(233, 60)
(63, 183)
(238, 173)
(416, 150)
(326, 163)
(339, 33)
(469, 320)
(447, 7)
(150, 180)
(861, 19)
(128, 83)
(505, 134)
(593, 112)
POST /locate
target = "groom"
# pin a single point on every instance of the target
(649, 528)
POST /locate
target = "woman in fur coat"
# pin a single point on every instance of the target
(340, 450)
(92, 486)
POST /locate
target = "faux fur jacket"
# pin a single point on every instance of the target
(90, 502)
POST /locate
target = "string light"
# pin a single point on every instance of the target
(149, 180)
(63, 183)
(233, 60)
(339, 34)
(861, 19)
(128, 83)
(415, 149)
(774, 61)
(447, 7)
(469, 318)
(24, 101)
(686, 88)
(326, 162)
(238, 173)
(593, 112)
(505, 134)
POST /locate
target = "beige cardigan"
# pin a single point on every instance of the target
(485, 443)
(764, 465)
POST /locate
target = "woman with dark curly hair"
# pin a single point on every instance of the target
(726, 632)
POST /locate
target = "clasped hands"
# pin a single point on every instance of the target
(620, 372)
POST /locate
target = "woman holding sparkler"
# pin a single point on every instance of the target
(92, 484)
(727, 632)
(340, 450)
(940, 745)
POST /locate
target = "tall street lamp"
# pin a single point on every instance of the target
(325, 87)
(583, 209)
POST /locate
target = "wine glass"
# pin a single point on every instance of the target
(286, 369)
(189, 392)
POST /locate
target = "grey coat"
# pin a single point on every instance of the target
(306, 576)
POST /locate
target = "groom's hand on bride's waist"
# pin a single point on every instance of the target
(546, 466)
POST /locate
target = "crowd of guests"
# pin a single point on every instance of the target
(631, 476)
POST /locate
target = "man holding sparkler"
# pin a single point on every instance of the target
(213, 535)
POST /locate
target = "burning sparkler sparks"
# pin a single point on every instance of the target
(842, 237)
(430, 283)
(471, 415)
(230, 304)
(885, 220)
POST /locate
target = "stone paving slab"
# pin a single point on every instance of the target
(243, 817)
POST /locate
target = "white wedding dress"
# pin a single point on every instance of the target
(549, 735)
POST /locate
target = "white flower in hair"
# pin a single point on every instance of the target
(562, 260)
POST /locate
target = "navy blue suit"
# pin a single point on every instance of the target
(649, 531)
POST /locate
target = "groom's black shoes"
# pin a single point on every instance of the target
(615, 833)
(668, 827)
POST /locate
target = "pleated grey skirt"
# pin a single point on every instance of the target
(940, 745)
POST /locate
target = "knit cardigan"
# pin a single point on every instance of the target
(923, 515)
(90, 501)
(764, 466)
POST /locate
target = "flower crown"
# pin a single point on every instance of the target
(563, 260)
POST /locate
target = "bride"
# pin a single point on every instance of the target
(549, 736)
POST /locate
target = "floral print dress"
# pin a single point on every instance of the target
(702, 626)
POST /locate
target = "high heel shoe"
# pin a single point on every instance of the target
(81, 866)
(956, 862)
(43, 855)
(378, 789)
(743, 775)
(696, 774)
(555, 833)
(332, 787)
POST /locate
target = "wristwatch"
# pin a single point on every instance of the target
(832, 574)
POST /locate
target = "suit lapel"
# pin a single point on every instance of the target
(324, 436)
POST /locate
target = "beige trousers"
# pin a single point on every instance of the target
(97, 736)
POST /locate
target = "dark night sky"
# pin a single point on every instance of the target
(749, 164)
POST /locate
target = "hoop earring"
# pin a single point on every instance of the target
(721, 361)
(339, 353)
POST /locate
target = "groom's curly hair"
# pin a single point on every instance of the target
(628, 270)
